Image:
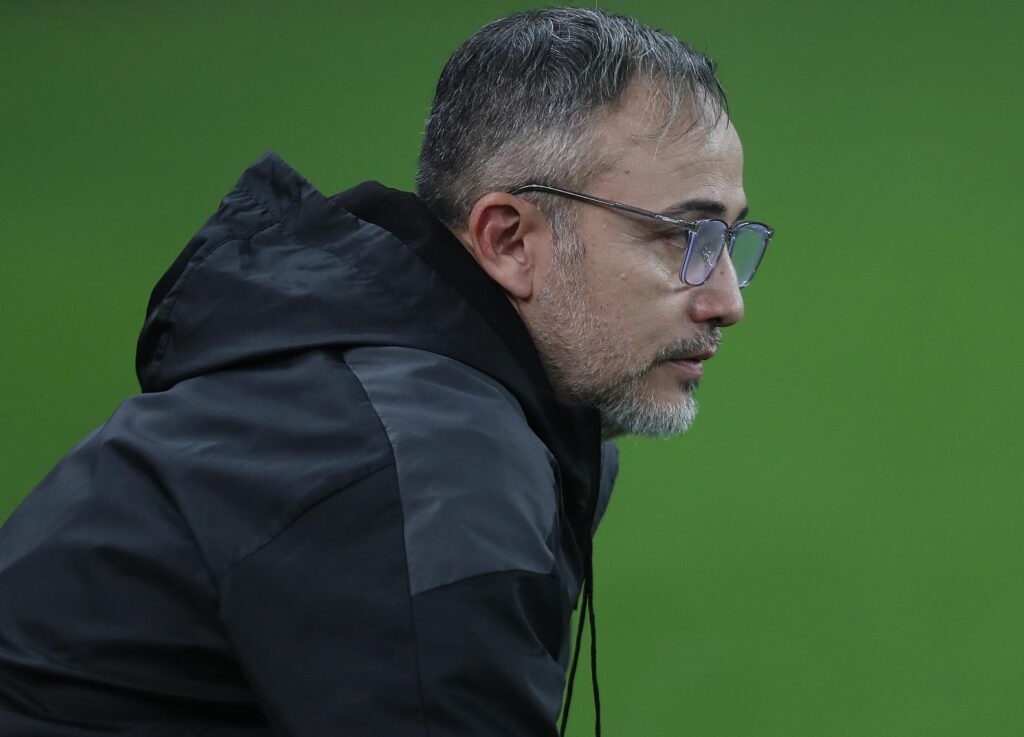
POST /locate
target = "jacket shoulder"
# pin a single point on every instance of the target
(478, 488)
(237, 454)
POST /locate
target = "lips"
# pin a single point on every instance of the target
(702, 355)
(693, 368)
(692, 365)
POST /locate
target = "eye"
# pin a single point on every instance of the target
(668, 247)
(678, 237)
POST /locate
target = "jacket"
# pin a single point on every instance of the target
(345, 502)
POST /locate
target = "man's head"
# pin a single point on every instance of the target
(588, 101)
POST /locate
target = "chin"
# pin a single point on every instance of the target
(652, 418)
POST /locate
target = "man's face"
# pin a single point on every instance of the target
(620, 330)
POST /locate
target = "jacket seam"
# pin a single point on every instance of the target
(405, 556)
(356, 267)
(299, 516)
(195, 263)
(552, 573)
(169, 499)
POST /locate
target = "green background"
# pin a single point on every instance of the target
(836, 547)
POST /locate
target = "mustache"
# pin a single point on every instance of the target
(707, 340)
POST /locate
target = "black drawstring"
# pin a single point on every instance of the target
(593, 649)
(586, 609)
(575, 661)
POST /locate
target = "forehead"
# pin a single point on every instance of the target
(655, 169)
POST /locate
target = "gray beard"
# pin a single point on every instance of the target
(587, 368)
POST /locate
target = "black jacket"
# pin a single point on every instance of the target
(346, 501)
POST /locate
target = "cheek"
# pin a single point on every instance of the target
(639, 315)
(634, 295)
(666, 259)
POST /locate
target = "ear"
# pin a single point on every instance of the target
(511, 239)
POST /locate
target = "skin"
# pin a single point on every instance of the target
(615, 330)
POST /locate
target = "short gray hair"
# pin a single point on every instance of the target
(515, 103)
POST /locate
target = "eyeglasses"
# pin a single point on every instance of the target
(705, 239)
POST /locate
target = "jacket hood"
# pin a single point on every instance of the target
(280, 268)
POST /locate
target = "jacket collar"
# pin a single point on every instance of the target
(405, 216)
(572, 434)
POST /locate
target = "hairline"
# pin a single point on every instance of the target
(547, 149)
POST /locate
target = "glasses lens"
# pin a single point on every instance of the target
(706, 246)
(747, 249)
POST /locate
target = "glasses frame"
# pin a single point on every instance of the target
(690, 226)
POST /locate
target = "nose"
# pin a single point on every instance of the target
(718, 300)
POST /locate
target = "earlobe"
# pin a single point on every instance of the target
(504, 232)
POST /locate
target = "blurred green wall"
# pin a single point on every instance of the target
(836, 547)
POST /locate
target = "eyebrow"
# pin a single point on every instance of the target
(710, 207)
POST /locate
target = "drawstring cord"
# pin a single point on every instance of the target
(586, 611)
(593, 649)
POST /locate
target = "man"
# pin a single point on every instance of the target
(357, 493)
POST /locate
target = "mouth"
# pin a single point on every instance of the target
(691, 368)
(692, 365)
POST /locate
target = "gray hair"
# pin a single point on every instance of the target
(516, 103)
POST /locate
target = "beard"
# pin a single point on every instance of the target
(589, 366)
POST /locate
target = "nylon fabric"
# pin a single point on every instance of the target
(484, 499)
(346, 501)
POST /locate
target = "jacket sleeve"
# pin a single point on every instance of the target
(333, 642)
(430, 596)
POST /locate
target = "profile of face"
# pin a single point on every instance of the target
(616, 328)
